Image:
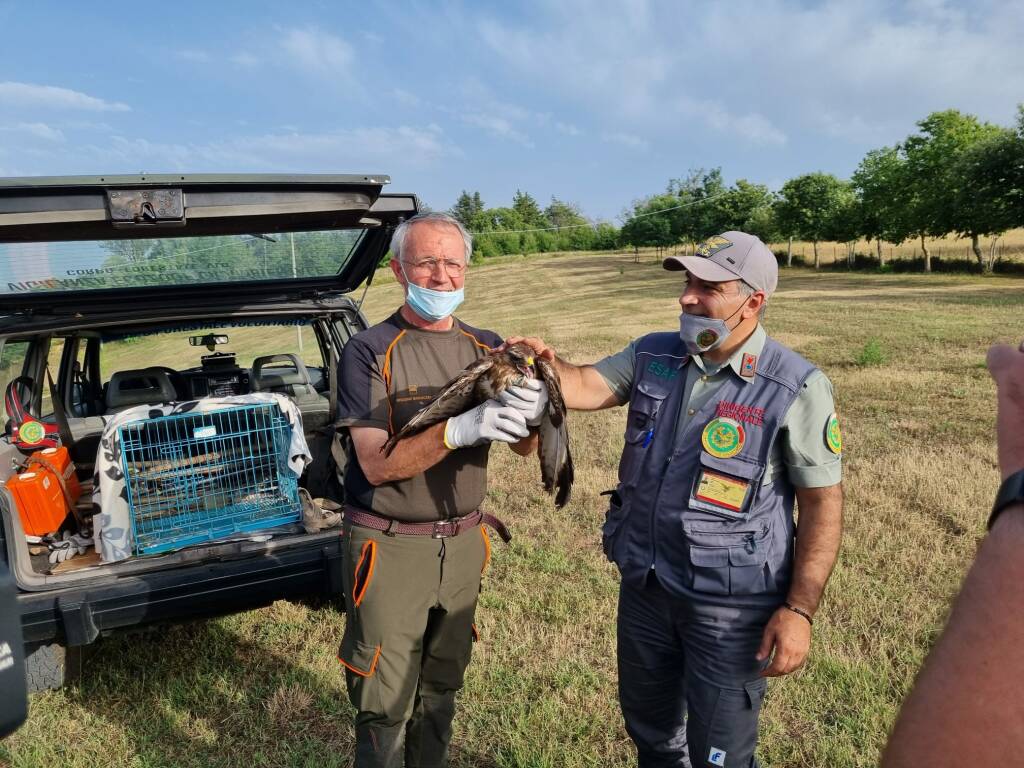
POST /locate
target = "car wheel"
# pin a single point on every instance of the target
(51, 666)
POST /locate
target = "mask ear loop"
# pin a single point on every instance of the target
(730, 317)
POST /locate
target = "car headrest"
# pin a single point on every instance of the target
(266, 379)
(145, 385)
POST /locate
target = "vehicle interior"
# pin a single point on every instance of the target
(99, 373)
(162, 342)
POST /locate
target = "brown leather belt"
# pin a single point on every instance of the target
(440, 529)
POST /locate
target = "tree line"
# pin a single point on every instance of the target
(955, 175)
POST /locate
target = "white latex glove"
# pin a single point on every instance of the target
(530, 399)
(487, 422)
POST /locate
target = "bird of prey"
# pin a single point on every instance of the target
(485, 379)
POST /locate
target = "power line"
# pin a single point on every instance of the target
(578, 226)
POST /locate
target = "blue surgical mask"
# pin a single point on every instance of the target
(703, 334)
(430, 304)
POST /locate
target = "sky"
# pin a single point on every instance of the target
(594, 103)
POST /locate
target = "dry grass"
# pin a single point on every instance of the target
(263, 688)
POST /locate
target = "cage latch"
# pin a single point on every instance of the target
(145, 207)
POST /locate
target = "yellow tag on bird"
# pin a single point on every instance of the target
(529, 361)
(724, 491)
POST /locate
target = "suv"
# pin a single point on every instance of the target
(124, 292)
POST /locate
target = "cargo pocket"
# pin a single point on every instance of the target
(613, 520)
(729, 562)
(640, 420)
(363, 574)
(359, 658)
(725, 487)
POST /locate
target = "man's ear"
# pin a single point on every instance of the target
(396, 270)
(754, 304)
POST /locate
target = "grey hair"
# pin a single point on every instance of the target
(746, 289)
(435, 217)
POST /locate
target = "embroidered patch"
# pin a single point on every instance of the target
(833, 435)
(724, 491)
(723, 438)
(749, 366)
(31, 432)
(707, 337)
(716, 756)
(747, 413)
(712, 245)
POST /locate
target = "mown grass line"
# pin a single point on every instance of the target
(263, 688)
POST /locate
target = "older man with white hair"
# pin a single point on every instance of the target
(415, 543)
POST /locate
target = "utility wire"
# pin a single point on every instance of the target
(578, 226)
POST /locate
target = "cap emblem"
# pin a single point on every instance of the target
(712, 245)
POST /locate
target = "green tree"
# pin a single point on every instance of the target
(935, 176)
(743, 206)
(880, 182)
(696, 219)
(467, 207)
(526, 207)
(807, 207)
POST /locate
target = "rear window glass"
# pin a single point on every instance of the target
(83, 265)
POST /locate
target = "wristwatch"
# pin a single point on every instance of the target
(1010, 492)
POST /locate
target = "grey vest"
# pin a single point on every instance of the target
(668, 511)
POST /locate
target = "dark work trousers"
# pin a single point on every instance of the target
(410, 602)
(689, 681)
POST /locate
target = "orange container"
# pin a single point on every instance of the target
(40, 501)
(60, 459)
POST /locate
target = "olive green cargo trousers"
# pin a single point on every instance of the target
(409, 633)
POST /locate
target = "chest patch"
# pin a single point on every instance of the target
(723, 438)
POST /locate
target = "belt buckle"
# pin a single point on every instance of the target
(442, 529)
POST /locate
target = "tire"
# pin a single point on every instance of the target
(52, 666)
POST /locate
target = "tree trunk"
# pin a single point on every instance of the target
(817, 257)
(927, 255)
(992, 252)
(976, 247)
(789, 253)
(878, 247)
(850, 254)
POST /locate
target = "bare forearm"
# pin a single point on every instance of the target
(583, 388)
(411, 456)
(819, 533)
(965, 707)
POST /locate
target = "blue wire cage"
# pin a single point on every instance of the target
(196, 477)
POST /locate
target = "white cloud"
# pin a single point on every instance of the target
(567, 128)
(498, 127)
(245, 59)
(406, 98)
(319, 52)
(193, 55)
(752, 127)
(358, 150)
(28, 95)
(766, 71)
(625, 139)
(36, 130)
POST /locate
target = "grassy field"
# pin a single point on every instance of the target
(906, 356)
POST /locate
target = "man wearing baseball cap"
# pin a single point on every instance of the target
(726, 426)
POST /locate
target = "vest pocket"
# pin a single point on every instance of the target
(640, 420)
(725, 487)
(729, 562)
(613, 520)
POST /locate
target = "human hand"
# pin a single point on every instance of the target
(540, 349)
(529, 398)
(1006, 365)
(488, 422)
(789, 634)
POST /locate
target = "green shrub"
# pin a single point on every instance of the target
(871, 354)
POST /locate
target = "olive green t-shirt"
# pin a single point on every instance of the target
(387, 374)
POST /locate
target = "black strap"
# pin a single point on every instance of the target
(332, 388)
(59, 415)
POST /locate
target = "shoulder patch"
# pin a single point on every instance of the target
(749, 366)
(833, 435)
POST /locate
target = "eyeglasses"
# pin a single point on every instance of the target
(428, 266)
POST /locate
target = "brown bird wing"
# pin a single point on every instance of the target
(457, 396)
(556, 468)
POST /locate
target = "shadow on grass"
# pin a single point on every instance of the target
(200, 694)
